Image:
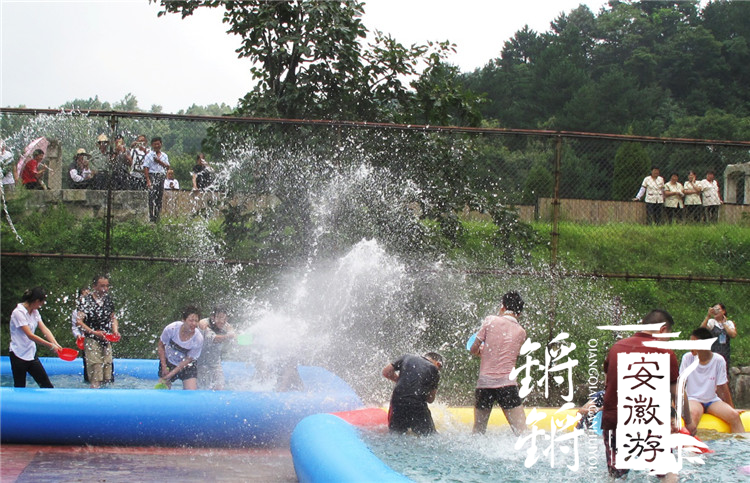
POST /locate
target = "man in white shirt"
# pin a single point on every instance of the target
(653, 188)
(711, 197)
(155, 167)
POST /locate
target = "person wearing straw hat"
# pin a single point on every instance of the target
(80, 172)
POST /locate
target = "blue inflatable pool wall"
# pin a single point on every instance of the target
(164, 418)
(327, 449)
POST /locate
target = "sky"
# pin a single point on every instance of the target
(54, 51)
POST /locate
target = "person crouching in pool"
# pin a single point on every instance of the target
(180, 346)
(416, 379)
(707, 387)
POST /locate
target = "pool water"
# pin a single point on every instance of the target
(466, 458)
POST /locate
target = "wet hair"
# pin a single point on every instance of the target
(34, 294)
(98, 277)
(190, 309)
(513, 302)
(702, 333)
(435, 357)
(220, 309)
(155, 138)
(724, 308)
(37, 152)
(658, 316)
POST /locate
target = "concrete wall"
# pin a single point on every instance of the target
(134, 205)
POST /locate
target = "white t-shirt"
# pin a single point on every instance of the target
(177, 350)
(153, 167)
(7, 159)
(702, 382)
(20, 344)
(654, 189)
(673, 201)
(171, 184)
(710, 193)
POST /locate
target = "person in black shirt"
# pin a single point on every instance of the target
(416, 379)
(202, 177)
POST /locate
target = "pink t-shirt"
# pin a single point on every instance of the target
(503, 338)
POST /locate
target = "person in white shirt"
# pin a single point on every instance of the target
(155, 167)
(179, 348)
(653, 188)
(693, 203)
(24, 321)
(6, 163)
(170, 183)
(673, 195)
(707, 387)
(80, 173)
(137, 155)
(711, 197)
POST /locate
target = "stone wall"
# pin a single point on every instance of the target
(740, 386)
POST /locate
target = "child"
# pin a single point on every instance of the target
(180, 346)
(707, 387)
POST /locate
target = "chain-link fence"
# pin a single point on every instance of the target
(381, 238)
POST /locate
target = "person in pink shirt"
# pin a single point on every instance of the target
(498, 344)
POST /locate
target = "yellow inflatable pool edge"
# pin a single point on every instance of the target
(448, 417)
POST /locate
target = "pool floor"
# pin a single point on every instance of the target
(31, 463)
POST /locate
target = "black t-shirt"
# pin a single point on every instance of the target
(203, 178)
(98, 317)
(418, 377)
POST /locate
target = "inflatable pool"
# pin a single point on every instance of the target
(142, 417)
(354, 461)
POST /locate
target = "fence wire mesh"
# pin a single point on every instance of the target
(401, 233)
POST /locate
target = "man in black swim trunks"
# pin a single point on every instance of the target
(416, 379)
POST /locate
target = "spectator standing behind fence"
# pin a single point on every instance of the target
(693, 203)
(138, 151)
(100, 164)
(723, 329)
(8, 169)
(170, 183)
(155, 170)
(33, 170)
(202, 173)
(121, 165)
(673, 198)
(653, 188)
(711, 197)
(96, 317)
(80, 173)
(23, 323)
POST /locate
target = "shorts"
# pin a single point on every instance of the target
(610, 449)
(190, 371)
(506, 397)
(403, 417)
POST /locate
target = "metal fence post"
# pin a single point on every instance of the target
(108, 219)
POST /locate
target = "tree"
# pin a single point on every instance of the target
(310, 60)
(631, 162)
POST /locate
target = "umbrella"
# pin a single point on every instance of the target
(38, 143)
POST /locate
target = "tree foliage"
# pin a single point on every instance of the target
(635, 65)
